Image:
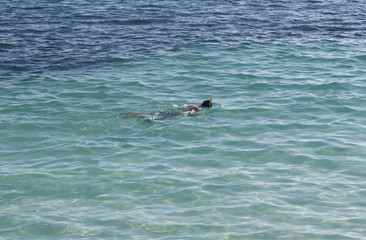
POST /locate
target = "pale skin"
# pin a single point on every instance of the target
(196, 108)
(192, 107)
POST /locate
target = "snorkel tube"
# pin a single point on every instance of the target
(210, 104)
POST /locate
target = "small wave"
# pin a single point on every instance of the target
(260, 86)
(328, 86)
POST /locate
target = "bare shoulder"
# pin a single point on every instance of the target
(191, 108)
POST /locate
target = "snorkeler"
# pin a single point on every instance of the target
(196, 108)
(186, 109)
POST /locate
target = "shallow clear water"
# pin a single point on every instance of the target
(281, 155)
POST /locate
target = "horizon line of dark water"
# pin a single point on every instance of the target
(41, 36)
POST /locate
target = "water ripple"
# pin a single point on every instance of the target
(280, 153)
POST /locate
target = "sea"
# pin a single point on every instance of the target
(281, 154)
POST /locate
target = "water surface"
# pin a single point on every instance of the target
(280, 155)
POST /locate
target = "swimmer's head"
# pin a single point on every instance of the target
(207, 103)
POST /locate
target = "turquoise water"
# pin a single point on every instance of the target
(280, 155)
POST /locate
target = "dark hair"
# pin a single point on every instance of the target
(206, 104)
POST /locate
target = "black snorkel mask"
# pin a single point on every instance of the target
(207, 103)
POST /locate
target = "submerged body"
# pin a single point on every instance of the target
(169, 114)
(190, 109)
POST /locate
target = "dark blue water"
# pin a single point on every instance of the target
(41, 36)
